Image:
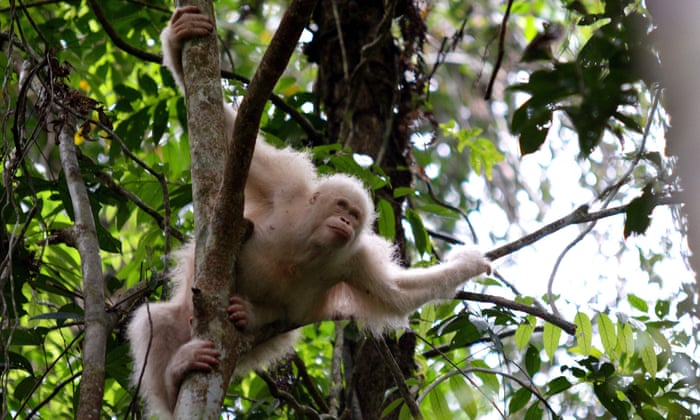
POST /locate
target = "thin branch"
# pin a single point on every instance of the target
(448, 206)
(285, 396)
(501, 50)
(609, 194)
(341, 40)
(336, 384)
(466, 377)
(464, 371)
(163, 221)
(134, 400)
(565, 325)
(578, 216)
(441, 350)
(118, 40)
(40, 380)
(23, 6)
(314, 135)
(399, 379)
(91, 392)
(303, 374)
(56, 390)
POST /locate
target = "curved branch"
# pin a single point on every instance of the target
(501, 50)
(163, 221)
(580, 215)
(118, 41)
(399, 379)
(610, 192)
(464, 371)
(565, 325)
(305, 410)
(441, 350)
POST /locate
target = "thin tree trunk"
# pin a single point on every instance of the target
(96, 324)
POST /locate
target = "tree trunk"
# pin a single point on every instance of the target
(678, 31)
(368, 104)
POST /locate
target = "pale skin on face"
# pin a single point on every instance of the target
(311, 257)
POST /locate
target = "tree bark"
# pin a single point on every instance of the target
(97, 327)
(368, 104)
(677, 26)
(201, 395)
(221, 229)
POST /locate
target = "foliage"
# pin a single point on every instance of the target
(593, 89)
(634, 354)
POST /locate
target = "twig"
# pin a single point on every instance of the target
(609, 194)
(118, 40)
(303, 374)
(341, 41)
(464, 371)
(501, 50)
(285, 396)
(448, 206)
(336, 385)
(399, 379)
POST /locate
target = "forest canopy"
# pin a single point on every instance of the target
(558, 137)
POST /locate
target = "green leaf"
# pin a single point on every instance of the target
(386, 222)
(608, 336)
(519, 400)
(464, 395)
(637, 302)
(160, 121)
(607, 395)
(558, 385)
(391, 407)
(490, 380)
(659, 338)
(535, 412)
(550, 339)
(532, 360)
(661, 309)
(645, 347)
(420, 235)
(16, 361)
(584, 333)
(531, 123)
(524, 332)
(438, 404)
(25, 387)
(625, 337)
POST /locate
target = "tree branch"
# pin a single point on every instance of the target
(567, 326)
(580, 215)
(399, 379)
(501, 50)
(92, 389)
